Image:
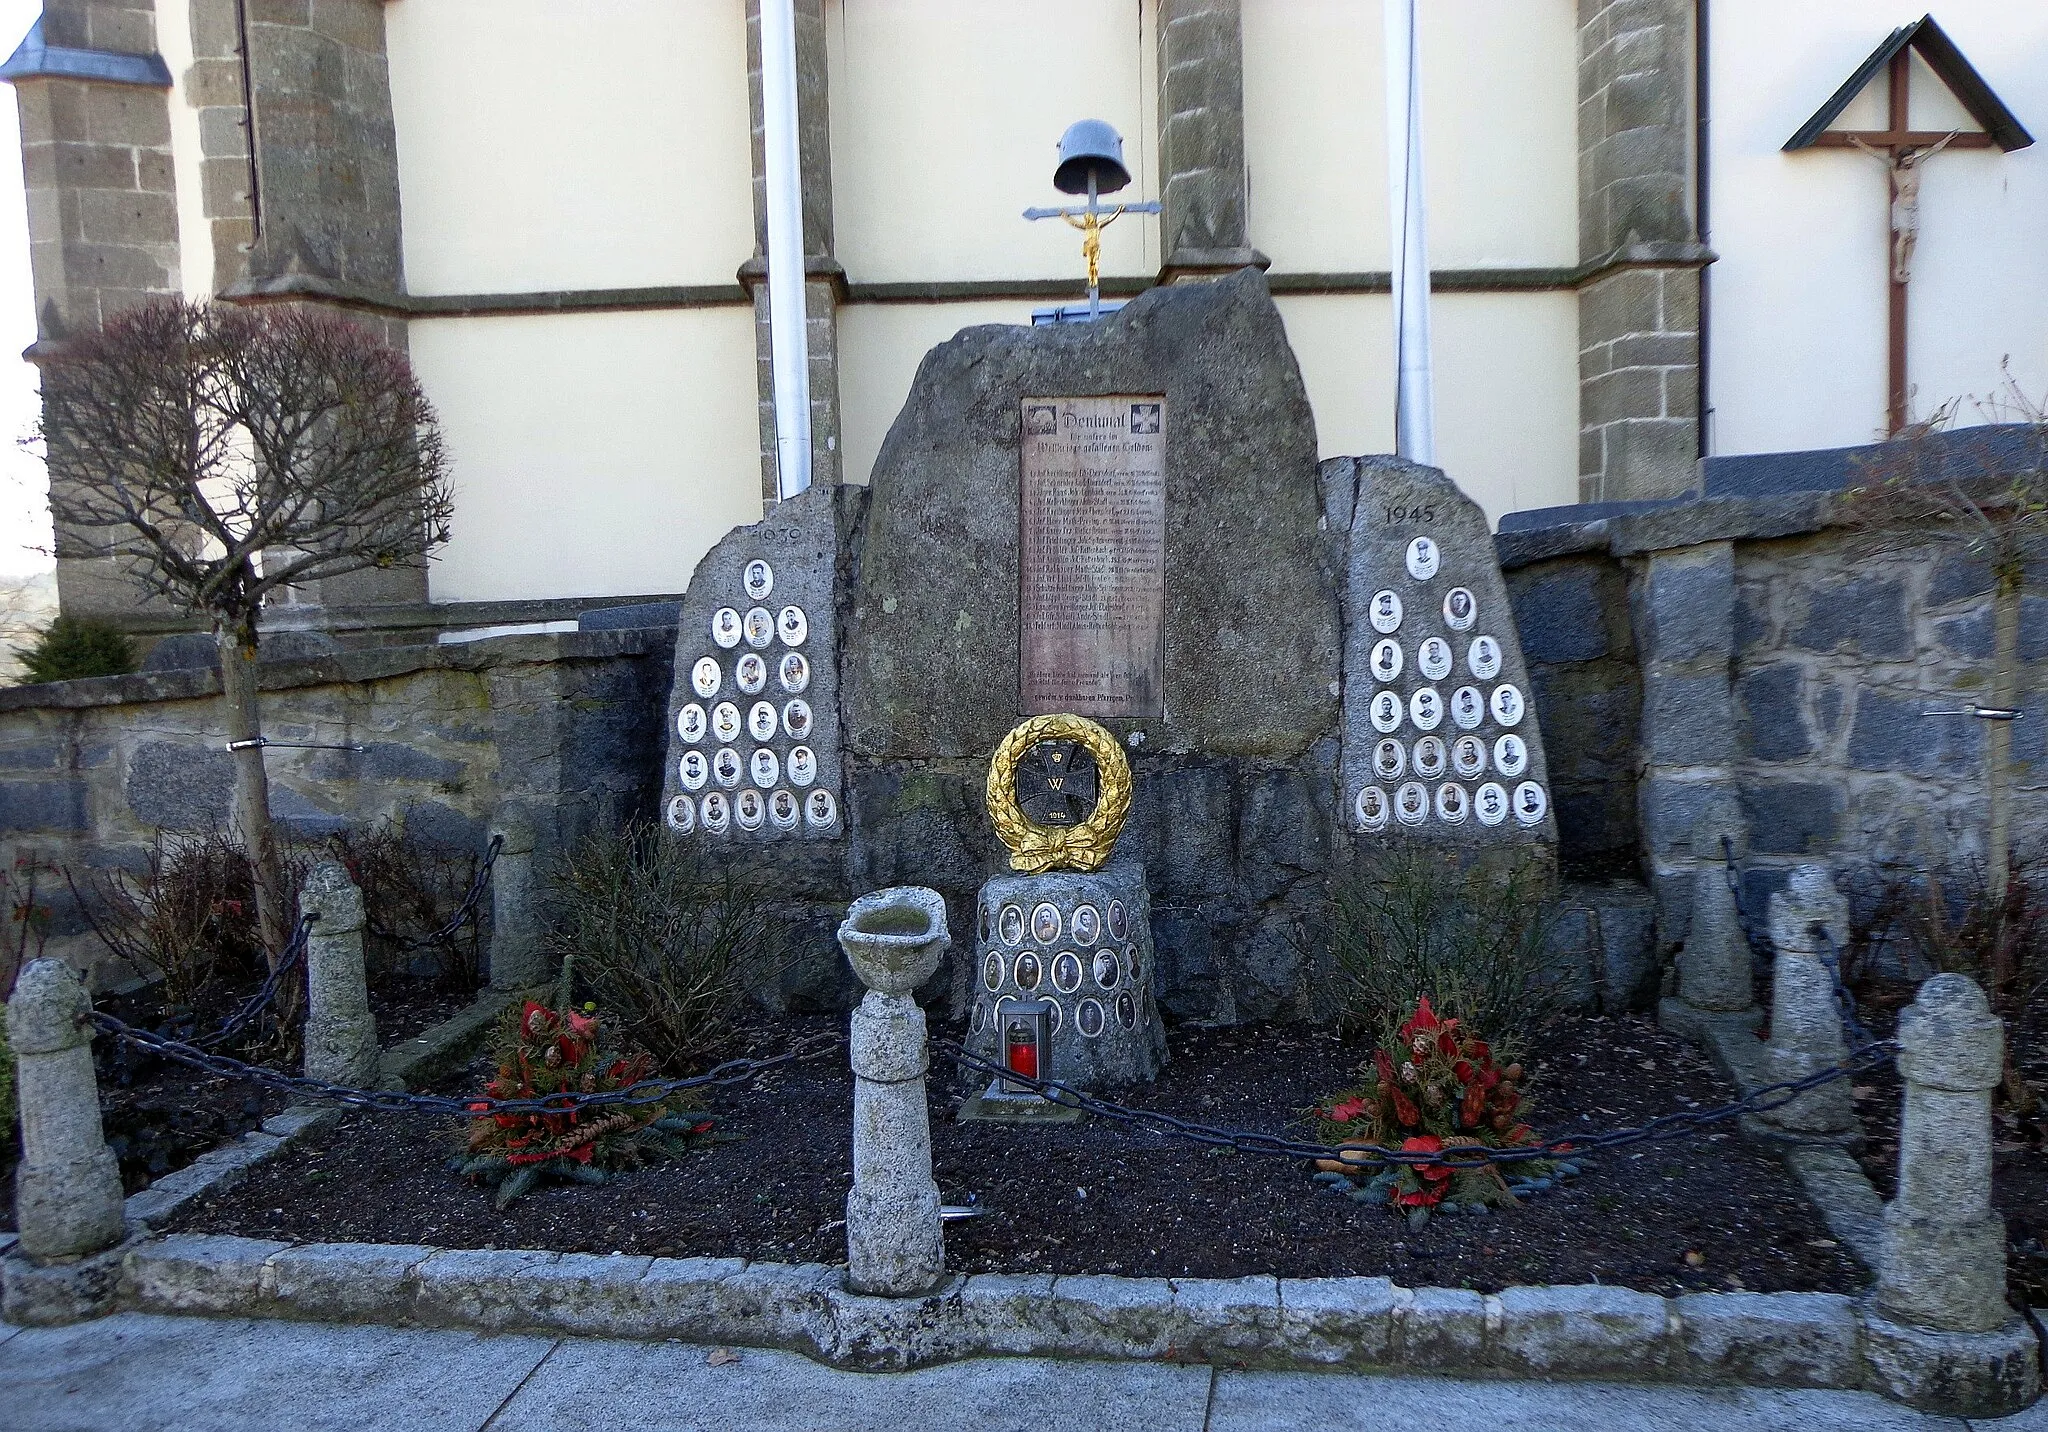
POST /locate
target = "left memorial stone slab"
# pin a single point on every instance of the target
(753, 716)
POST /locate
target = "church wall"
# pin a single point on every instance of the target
(1506, 387)
(548, 148)
(1500, 148)
(946, 116)
(593, 454)
(880, 346)
(195, 230)
(1798, 292)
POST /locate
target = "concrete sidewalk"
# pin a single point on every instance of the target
(137, 1372)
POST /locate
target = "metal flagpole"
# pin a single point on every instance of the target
(1414, 402)
(789, 347)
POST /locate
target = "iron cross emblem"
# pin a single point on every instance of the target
(1056, 783)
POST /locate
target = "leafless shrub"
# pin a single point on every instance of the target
(1952, 919)
(667, 947)
(189, 915)
(1986, 492)
(1475, 941)
(411, 890)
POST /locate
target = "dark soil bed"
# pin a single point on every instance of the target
(1705, 1212)
(2019, 1142)
(160, 1116)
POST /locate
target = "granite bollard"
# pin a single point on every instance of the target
(1714, 968)
(67, 1189)
(895, 1246)
(1941, 1333)
(341, 1033)
(1806, 1021)
(518, 960)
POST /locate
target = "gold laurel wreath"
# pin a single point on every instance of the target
(1034, 848)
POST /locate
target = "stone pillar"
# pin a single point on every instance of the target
(1714, 969)
(102, 207)
(1083, 943)
(300, 174)
(67, 1189)
(1639, 310)
(1682, 603)
(1806, 1020)
(517, 959)
(1941, 1334)
(895, 1245)
(341, 1034)
(824, 279)
(1204, 218)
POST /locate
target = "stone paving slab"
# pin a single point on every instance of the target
(2034, 1419)
(1278, 1402)
(140, 1373)
(610, 1386)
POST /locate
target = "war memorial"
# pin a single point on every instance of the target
(1118, 887)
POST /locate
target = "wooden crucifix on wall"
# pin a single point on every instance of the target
(1904, 151)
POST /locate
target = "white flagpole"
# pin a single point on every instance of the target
(789, 356)
(1414, 402)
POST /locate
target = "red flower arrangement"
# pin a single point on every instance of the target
(1431, 1087)
(543, 1052)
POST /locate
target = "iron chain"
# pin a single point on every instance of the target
(1865, 1052)
(1667, 1126)
(255, 1004)
(394, 1101)
(464, 913)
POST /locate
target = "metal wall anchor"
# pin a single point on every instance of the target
(261, 741)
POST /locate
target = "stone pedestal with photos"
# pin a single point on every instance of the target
(1441, 748)
(1064, 972)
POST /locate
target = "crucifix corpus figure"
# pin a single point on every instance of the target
(1905, 152)
(1903, 164)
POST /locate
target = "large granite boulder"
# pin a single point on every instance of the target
(1251, 636)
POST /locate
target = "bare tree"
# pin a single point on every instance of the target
(1990, 497)
(220, 454)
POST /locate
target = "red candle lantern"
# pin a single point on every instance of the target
(1027, 1042)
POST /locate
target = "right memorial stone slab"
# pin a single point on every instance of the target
(1441, 746)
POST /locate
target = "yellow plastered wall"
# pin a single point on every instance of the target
(195, 232)
(1499, 132)
(1506, 368)
(946, 119)
(594, 454)
(597, 145)
(880, 346)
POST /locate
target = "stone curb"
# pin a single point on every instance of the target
(419, 1060)
(221, 1169)
(1832, 1180)
(1584, 1331)
(446, 1047)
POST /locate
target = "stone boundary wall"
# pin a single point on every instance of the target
(456, 738)
(1766, 648)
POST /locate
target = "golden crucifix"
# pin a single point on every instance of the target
(1091, 161)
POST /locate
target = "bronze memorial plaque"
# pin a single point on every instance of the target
(1092, 555)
